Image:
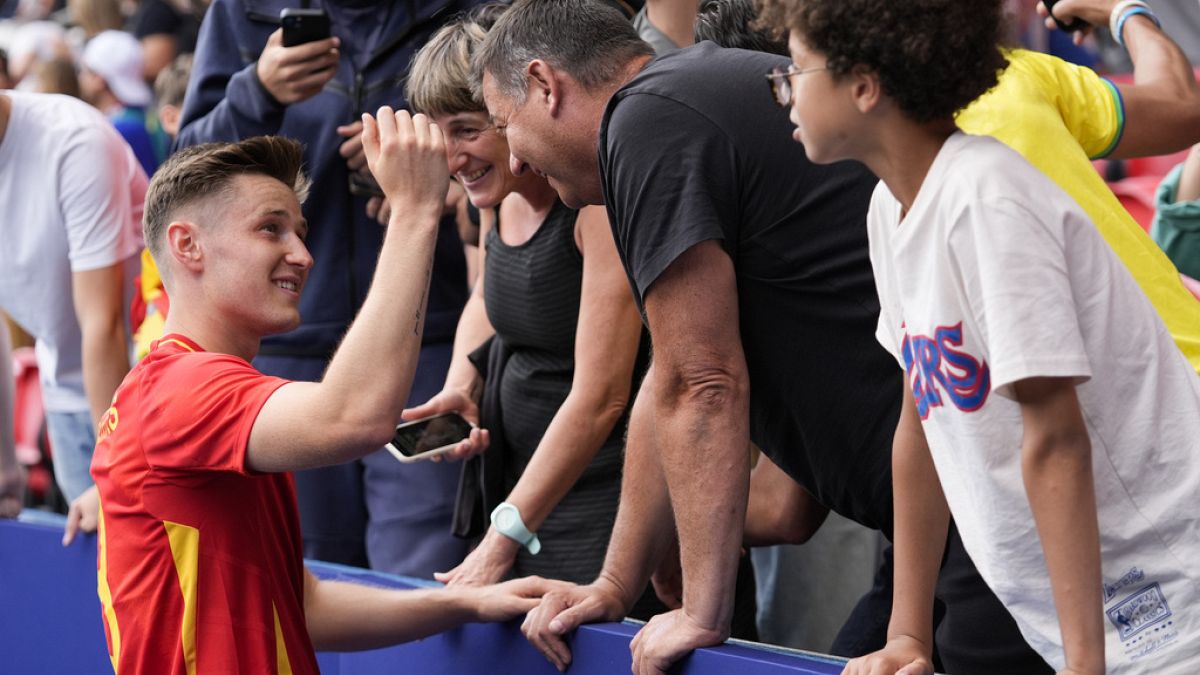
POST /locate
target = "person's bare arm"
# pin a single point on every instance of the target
(641, 534)
(1162, 106)
(343, 616)
(674, 18)
(780, 510)
(464, 384)
(922, 521)
(99, 306)
(609, 330)
(1056, 464)
(354, 408)
(1189, 180)
(701, 397)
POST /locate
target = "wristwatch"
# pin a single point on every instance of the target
(506, 518)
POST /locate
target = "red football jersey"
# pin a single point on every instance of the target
(200, 561)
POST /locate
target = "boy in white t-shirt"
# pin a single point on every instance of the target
(1049, 410)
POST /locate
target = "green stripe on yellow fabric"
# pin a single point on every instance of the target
(282, 665)
(185, 548)
(1119, 105)
(105, 593)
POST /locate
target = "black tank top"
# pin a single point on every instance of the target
(532, 297)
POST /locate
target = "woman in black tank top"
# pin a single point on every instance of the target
(554, 291)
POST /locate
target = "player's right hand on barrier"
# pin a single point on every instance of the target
(294, 74)
(501, 602)
(407, 155)
(562, 611)
(902, 655)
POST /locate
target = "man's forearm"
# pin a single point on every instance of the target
(701, 426)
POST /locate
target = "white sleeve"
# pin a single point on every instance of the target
(1011, 264)
(883, 213)
(101, 188)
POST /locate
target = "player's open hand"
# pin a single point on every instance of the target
(407, 155)
(902, 655)
(511, 599)
(562, 611)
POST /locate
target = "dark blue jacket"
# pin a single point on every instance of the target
(226, 102)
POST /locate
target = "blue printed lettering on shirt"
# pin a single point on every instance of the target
(936, 369)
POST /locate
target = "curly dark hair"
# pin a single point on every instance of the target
(933, 57)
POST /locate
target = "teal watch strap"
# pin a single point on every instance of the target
(506, 518)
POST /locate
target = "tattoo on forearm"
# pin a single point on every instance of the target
(424, 297)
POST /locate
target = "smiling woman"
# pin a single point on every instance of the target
(549, 273)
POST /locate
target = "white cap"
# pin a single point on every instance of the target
(116, 56)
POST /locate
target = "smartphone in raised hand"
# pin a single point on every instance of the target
(303, 25)
(429, 437)
(1075, 25)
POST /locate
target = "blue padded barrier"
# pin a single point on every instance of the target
(50, 623)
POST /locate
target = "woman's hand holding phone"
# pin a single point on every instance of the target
(453, 401)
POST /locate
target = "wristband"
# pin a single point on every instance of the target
(506, 518)
(1118, 9)
(1130, 10)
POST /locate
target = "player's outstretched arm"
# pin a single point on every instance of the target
(349, 617)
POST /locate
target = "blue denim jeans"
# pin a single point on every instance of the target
(72, 440)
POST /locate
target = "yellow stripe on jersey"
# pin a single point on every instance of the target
(177, 342)
(185, 548)
(105, 593)
(282, 665)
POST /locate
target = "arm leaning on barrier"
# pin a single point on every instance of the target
(642, 531)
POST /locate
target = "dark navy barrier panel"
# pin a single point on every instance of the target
(50, 623)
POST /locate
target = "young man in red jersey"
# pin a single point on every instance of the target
(200, 564)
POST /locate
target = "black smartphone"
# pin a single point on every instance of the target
(1075, 25)
(303, 25)
(424, 438)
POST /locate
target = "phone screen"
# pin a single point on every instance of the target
(414, 438)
